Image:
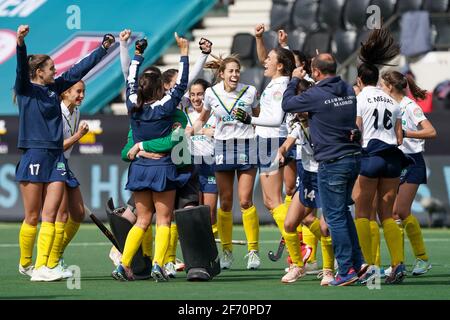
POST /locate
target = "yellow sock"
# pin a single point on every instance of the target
(287, 201)
(375, 235)
(27, 237)
(393, 239)
(172, 249)
(414, 233)
(250, 221)
(327, 253)
(215, 231)
(70, 230)
(225, 228)
(311, 236)
(44, 244)
(147, 243)
(402, 232)
(56, 252)
(162, 240)
(279, 215)
(365, 239)
(132, 244)
(293, 245)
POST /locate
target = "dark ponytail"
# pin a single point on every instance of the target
(205, 84)
(378, 50)
(150, 89)
(401, 83)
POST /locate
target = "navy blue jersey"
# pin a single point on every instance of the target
(40, 119)
(154, 120)
(331, 106)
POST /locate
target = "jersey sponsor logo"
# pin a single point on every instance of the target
(277, 96)
(60, 166)
(418, 113)
(19, 8)
(228, 118)
(7, 44)
(78, 46)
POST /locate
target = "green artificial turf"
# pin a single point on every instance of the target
(89, 250)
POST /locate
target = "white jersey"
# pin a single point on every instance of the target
(291, 116)
(223, 103)
(379, 113)
(70, 125)
(412, 115)
(271, 110)
(304, 148)
(200, 145)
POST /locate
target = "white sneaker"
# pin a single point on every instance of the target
(226, 260)
(26, 271)
(327, 277)
(62, 269)
(170, 269)
(388, 271)
(115, 256)
(44, 273)
(179, 265)
(312, 268)
(253, 260)
(295, 272)
(420, 267)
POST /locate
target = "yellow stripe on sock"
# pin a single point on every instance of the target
(215, 231)
(162, 239)
(393, 239)
(44, 243)
(27, 237)
(250, 221)
(172, 249)
(132, 244)
(147, 243)
(375, 235)
(288, 201)
(279, 215)
(311, 235)
(56, 252)
(414, 233)
(327, 253)
(225, 228)
(365, 239)
(293, 245)
(70, 230)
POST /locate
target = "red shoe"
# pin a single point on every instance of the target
(306, 253)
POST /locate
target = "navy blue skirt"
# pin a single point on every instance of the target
(415, 173)
(267, 153)
(41, 166)
(207, 178)
(158, 178)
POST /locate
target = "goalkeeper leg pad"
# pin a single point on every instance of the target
(197, 242)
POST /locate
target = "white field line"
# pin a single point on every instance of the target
(100, 244)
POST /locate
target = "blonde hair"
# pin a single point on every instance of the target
(219, 64)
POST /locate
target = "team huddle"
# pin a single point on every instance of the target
(310, 136)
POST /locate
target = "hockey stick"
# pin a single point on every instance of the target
(103, 228)
(238, 242)
(276, 256)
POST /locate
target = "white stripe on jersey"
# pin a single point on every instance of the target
(227, 126)
(412, 115)
(379, 113)
(70, 125)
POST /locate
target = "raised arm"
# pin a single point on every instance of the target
(22, 71)
(206, 48)
(82, 130)
(125, 58)
(80, 69)
(260, 47)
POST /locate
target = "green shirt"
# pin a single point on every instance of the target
(159, 145)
